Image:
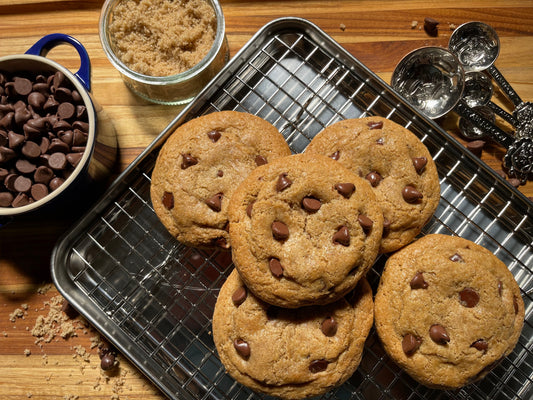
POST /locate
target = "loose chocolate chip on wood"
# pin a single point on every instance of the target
(311, 204)
(342, 236)
(480, 345)
(329, 326)
(418, 281)
(410, 344)
(476, 147)
(280, 231)
(438, 334)
(188, 161)
(345, 189)
(374, 178)
(168, 200)
(318, 366)
(431, 26)
(468, 297)
(365, 222)
(411, 195)
(242, 348)
(239, 296)
(275, 267)
(107, 362)
(420, 164)
(283, 182)
(260, 160)
(214, 135)
(375, 125)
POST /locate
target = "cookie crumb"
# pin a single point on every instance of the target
(452, 26)
(414, 24)
(342, 27)
(27, 352)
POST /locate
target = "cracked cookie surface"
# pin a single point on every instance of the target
(199, 167)
(304, 230)
(396, 163)
(290, 353)
(447, 310)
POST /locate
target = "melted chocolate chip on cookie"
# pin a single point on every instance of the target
(311, 204)
(468, 297)
(242, 348)
(418, 282)
(345, 189)
(280, 231)
(283, 182)
(168, 200)
(410, 344)
(342, 236)
(438, 334)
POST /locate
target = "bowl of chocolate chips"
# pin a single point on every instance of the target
(52, 139)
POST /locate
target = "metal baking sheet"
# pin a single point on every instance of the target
(153, 297)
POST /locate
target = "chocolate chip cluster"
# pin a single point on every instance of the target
(43, 135)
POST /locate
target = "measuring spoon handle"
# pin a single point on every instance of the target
(482, 123)
(502, 113)
(504, 85)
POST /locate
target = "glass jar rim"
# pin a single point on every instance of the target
(165, 79)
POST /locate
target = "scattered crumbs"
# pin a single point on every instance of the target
(29, 394)
(71, 397)
(4, 333)
(44, 289)
(414, 24)
(342, 27)
(27, 352)
(55, 323)
(452, 26)
(17, 313)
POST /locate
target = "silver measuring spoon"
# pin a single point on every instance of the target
(477, 46)
(471, 131)
(432, 80)
(478, 92)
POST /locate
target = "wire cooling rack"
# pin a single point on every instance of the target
(153, 298)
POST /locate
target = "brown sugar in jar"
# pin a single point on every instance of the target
(162, 37)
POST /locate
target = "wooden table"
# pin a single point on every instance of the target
(379, 33)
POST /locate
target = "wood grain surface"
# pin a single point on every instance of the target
(378, 33)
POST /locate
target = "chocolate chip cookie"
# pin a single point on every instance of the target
(398, 166)
(447, 310)
(199, 167)
(304, 230)
(290, 353)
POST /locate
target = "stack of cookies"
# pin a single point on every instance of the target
(292, 318)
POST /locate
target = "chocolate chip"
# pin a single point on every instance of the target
(66, 110)
(476, 147)
(242, 348)
(515, 305)
(468, 297)
(410, 344)
(22, 184)
(222, 243)
(480, 345)
(374, 178)
(283, 182)
(280, 231)
(107, 362)
(9, 181)
(38, 191)
(51, 104)
(336, 155)
(168, 200)
(431, 26)
(36, 100)
(21, 200)
(311, 204)
(275, 267)
(380, 141)
(249, 209)
(420, 164)
(188, 161)
(215, 202)
(329, 326)
(25, 166)
(456, 258)
(15, 139)
(63, 94)
(365, 222)
(23, 86)
(375, 125)
(342, 236)
(345, 189)
(58, 146)
(214, 135)
(500, 287)
(6, 198)
(31, 150)
(514, 182)
(411, 195)
(438, 334)
(79, 138)
(260, 160)
(55, 183)
(386, 227)
(57, 161)
(418, 281)
(239, 296)
(220, 173)
(318, 366)
(74, 158)
(58, 79)
(43, 174)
